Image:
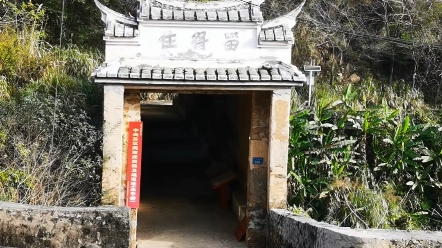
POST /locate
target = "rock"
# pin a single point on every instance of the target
(37, 226)
(290, 231)
(354, 78)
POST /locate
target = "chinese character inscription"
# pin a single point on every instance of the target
(168, 41)
(232, 41)
(199, 40)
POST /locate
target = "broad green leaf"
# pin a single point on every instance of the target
(323, 194)
(329, 125)
(410, 183)
(425, 159)
(388, 141)
(341, 169)
(336, 103)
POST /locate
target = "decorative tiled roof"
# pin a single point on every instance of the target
(119, 25)
(280, 33)
(236, 15)
(224, 11)
(270, 71)
(279, 29)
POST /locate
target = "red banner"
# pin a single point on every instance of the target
(133, 170)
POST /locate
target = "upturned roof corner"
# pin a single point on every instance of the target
(280, 29)
(288, 20)
(117, 24)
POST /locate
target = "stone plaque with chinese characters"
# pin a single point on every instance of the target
(198, 43)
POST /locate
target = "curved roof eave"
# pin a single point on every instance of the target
(115, 15)
(288, 19)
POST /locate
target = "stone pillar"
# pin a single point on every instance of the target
(113, 194)
(257, 174)
(278, 152)
(132, 112)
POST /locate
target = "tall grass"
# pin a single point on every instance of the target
(50, 125)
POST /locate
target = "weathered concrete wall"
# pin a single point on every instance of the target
(150, 43)
(132, 112)
(289, 231)
(257, 174)
(113, 193)
(37, 226)
(278, 148)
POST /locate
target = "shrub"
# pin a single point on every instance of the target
(49, 151)
(50, 125)
(361, 161)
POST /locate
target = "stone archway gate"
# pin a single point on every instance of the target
(219, 46)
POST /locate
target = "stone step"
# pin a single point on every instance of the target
(239, 204)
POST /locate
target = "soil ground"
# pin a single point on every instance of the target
(178, 207)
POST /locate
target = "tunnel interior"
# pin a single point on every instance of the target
(184, 139)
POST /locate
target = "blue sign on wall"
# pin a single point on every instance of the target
(258, 161)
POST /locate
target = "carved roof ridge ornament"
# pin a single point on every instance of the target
(212, 5)
(117, 24)
(288, 19)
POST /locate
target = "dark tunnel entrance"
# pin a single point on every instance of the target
(190, 144)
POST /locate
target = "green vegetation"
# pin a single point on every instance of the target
(368, 153)
(50, 117)
(358, 162)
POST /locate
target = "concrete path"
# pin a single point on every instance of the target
(178, 207)
(185, 223)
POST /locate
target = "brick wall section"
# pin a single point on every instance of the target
(289, 231)
(112, 145)
(257, 174)
(260, 116)
(132, 112)
(58, 227)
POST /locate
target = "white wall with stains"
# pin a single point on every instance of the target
(196, 41)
